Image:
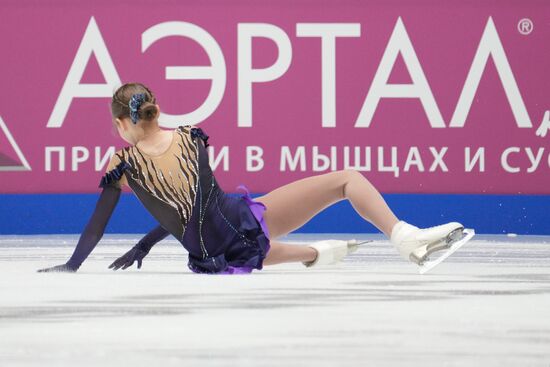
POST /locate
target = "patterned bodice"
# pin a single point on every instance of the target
(166, 184)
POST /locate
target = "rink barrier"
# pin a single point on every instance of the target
(488, 214)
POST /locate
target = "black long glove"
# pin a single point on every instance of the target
(139, 251)
(128, 259)
(93, 232)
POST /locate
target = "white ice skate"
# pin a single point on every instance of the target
(416, 245)
(332, 251)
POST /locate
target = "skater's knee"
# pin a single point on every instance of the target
(348, 175)
(351, 172)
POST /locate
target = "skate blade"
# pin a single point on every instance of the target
(430, 264)
(355, 243)
(363, 242)
(436, 246)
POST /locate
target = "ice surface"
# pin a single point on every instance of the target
(486, 305)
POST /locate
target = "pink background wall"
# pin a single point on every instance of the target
(41, 40)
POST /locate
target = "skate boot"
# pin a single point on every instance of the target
(415, 244)
(331, 251)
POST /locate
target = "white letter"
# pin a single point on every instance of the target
(469, 163)
(101, 162)
(77, 158)
(327, 161)
(247, 75)
(223, 154)
(414, 158)
(438, 159)
(328, 33)
(393, 167)
(214, 72)
(254, 154)
(92, 42)
(293, 162)
(544, 125)
(400, 42)
(357, 159)
(504, 160)
(47, 154)
(535, 161)
(490, 45)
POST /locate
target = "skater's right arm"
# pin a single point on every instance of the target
(111, 184)
(93, 231)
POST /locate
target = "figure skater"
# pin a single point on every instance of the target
(169, 172)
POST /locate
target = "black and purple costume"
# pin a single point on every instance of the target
(223, 234)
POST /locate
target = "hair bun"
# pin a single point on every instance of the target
(136, 101)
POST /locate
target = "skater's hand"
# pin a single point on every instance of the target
(59, 268)
(128, 259)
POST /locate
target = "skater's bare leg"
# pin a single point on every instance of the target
(291, 206)
(284, 253)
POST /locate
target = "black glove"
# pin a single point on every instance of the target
(66, 268)
(136, 253)
(139, 251)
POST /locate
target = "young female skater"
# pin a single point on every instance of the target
(169, 172)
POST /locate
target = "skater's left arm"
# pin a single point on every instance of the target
(141, 249)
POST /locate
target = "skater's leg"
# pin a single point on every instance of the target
(284, 253)
(292, 205)
(329, 251)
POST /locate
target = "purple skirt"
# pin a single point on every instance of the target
(243, 259)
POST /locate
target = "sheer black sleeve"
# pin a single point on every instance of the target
(95, 228)
(154, 236)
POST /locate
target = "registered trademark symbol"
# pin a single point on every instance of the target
(525, 26)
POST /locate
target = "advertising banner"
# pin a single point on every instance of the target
(419, 96)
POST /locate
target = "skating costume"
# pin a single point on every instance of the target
(223, 234)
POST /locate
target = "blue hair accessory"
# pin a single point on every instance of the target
(134, 104)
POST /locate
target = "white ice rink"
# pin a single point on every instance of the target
(487, 305)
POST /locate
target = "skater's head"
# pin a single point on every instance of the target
(134, 110)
